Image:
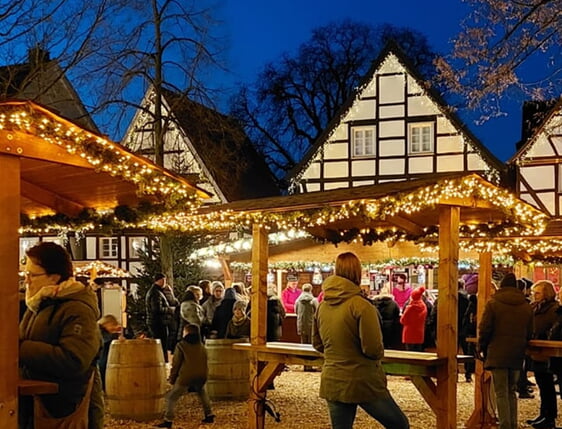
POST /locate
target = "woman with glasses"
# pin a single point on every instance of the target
(59, 337)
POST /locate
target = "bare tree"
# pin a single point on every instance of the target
(293, 99)
(503, 46)
(165, 47)
(59, 35)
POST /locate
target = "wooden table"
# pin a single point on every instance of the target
(538, 349)
(27, 387)
(272, 357)
(483, 416)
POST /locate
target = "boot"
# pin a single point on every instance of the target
(544, 423)
(535, 420)
(525, 394)
(208, 419)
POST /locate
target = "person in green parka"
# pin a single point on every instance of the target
(347, 331)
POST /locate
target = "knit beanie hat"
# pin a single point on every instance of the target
(239, 305)
(215, 285)
(417, 293)
(509, 281)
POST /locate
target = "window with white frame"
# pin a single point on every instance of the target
(420, 137)
(363, 141)
(108, 247)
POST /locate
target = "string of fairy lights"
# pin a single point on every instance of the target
(381, 265)
(104, 155)
(179, 213)
(519, 219)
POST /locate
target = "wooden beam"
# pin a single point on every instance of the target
(259, 285)
(427, 389)
(227, 273)
(258, 328)
(481, 416)
(467, 202)
(447, 309)
(405, 224)
(9, 299)
(50, 199)
(30, 146)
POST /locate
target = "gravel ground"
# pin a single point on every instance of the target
(296, 398)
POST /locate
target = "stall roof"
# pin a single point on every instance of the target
(66, 169)
(375, 212)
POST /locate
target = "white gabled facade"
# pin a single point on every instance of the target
(179, 153)
(539, 166)
(392, 130)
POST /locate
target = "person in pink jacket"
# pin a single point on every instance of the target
(413, 321)
(401, 290)
(289, 296)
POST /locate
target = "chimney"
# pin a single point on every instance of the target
(37, 56)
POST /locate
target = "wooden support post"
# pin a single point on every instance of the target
(9, 300)
(258, 330)
(447, 310)
(483, 416)
(226, 272)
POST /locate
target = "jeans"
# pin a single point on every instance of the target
(384, 410)
(176, 393)
(505, 385)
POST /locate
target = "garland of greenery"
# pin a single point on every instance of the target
(309, 266)
(120, 218)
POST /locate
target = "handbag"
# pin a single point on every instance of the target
(77, 420)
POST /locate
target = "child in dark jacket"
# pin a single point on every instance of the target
(110, 330)
(188, 374)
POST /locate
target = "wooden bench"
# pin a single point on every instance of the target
(395, 362)
(422, 367)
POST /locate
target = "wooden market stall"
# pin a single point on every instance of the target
(49, 165)
(443, 209)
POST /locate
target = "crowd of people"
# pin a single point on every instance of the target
(63, 339)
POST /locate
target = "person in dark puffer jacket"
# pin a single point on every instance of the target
(504, 331)
(390, 314)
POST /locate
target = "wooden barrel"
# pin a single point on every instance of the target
(135, 379)
(229, 370)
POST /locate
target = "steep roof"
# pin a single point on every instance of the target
(392, 48)
(536, 115)
(67, 170)
(35, 80)
(224, 150)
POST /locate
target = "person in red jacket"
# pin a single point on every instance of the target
(413, 321)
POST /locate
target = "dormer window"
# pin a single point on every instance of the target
(420, 137)
(363, 141)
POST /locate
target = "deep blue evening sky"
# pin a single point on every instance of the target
(260, 30)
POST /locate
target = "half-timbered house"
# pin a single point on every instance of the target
(201, 143)
(394, 127)
(538, 161)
